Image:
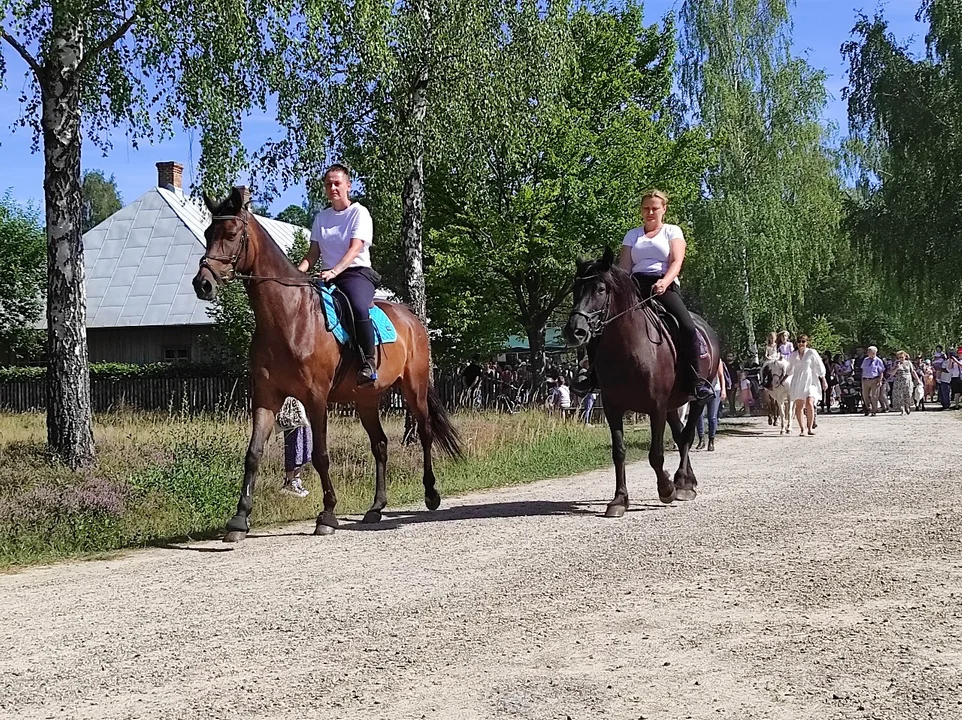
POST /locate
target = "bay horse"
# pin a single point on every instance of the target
(635, 365)
(293, 354)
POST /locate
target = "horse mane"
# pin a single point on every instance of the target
(618, 280)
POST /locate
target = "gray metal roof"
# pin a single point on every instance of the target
(140, 261)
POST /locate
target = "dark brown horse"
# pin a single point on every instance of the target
(293, 354)
(634, 361)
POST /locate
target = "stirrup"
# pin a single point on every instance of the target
(367, 375)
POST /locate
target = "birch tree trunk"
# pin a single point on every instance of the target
(69, 424)
(412, 202)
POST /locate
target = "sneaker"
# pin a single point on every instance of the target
(295, 487)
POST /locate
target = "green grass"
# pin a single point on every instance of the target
(159, 477)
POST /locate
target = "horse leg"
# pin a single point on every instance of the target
(684, 477)
(656, 452)
(238, 525)
(677, 425)
(616, 423)
(371, 421)
(416, 397)
(317, 413)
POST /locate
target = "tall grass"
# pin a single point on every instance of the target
(159, 477)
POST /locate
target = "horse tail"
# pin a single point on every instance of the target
(444, 431)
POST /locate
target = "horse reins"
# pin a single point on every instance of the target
(232, 260)
(341, 370)
(595, 325)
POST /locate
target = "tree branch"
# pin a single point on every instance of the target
(23, 52)
(109, 41)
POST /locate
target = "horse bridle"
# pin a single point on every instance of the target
(231, 259)
(598, 320)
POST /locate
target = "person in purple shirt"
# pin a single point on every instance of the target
(873, 375)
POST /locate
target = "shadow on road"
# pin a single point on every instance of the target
(394, 519)
(521, 508)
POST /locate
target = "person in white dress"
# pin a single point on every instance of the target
(807, 383)
(771, 347)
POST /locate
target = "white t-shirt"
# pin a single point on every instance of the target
(561, 396)
(650, 255)
(333, 231)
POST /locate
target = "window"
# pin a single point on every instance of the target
(173, 354)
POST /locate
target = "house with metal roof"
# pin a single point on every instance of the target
(141, 306)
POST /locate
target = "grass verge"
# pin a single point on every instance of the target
(159, 477)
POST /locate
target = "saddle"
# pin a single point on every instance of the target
(339, 320)
(666, 324)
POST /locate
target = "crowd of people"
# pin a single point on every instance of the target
(863, 381)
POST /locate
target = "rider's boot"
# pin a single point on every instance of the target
(699, 387)
(364, 329)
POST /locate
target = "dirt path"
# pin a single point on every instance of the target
(812, 578)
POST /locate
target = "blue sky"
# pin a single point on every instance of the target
(820, 28)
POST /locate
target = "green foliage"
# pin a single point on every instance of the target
(769, 219)
(23, 276)
(101, 198)
(153, 66)
(123, 371)
(577, 123)
(907, 142)
(296, 215)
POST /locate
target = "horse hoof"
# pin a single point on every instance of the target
(432, 501)
(371, 517)
(323, 530)
(615, 511)
(669, 498)
(234, 536)
(685, 494)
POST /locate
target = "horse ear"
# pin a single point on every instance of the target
(581, 261)
(210, 203)
(607, 257)
(236, 201)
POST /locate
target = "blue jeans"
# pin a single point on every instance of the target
(710, 409)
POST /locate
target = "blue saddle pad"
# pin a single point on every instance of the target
(384, 331)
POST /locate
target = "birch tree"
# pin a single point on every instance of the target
(146, 66)
(905, 114)
(769, 218)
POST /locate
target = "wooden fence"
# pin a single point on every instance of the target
(228, 393)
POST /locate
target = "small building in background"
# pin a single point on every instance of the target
(141, 305)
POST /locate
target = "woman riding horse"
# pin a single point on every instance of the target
(654, 254)
(341, 237)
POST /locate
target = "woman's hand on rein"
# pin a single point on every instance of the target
(327, 275)
(659, 287)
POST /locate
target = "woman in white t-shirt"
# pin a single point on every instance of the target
(654, 254)
(341, 238)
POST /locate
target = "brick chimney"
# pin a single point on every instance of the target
(170, 174)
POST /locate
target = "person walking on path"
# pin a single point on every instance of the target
(905, 381)
(711, 410)
(807, 383)
(298, 445)
(873, 375)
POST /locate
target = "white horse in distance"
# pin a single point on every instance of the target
(779, 400)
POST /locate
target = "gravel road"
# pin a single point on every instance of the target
(812, 578)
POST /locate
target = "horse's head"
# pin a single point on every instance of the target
(591, 292)
(228, 242)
